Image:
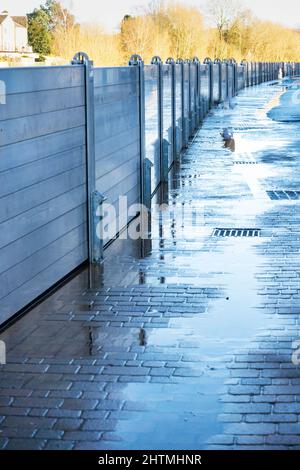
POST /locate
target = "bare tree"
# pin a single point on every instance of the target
(222, 13)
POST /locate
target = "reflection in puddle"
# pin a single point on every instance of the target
(230, 145)
(143, 337)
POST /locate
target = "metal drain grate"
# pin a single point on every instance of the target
(283, 194)
(236, 232)
(244, 163)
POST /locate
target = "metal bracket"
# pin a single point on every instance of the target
(97, 238)
(135, 59)
(156, 60)
(80, 58)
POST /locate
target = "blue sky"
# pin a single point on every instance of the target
(109, 12)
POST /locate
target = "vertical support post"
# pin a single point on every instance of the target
(95, 248)
(186, 103)
(266, 71)
(197, 109)
(235, 74)
(235, 78)
(208, 61)
(180, 62)
(136, 61)
(202, 104)
(170, 61)
(248, 74)
(219, 63)
(227, 79)
(183, 106)
(221, 97)
(163, 145)
(244, 63)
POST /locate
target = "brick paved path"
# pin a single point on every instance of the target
(191, 346)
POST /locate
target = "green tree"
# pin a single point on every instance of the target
(39, 36)
(45, 22)
(60, 19)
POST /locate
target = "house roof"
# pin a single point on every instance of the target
(19, 20)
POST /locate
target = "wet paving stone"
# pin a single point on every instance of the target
(189, 334)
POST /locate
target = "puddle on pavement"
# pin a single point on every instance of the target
(170, 416)
(286, 108)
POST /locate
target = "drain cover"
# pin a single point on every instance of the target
(244, 163)
(236, 232)
(283, 194)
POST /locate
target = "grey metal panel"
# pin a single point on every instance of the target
(152, 123)
(112, 93)
(256, 73)
(122, 186)
(224, 81)
(167, 110)
(33, 79)
(28, 104)
(117, 137)
(41, 282)
(35, 172)
(32, 196)
(216, 83)
(36, 149)
(241, 76)
(253, 72)
(110, 179)
(115, 118)
(23, 224)
(112, 160)
(110, 76)
(230, 72)
(21, 272)
(16, 130)
(22, 248)
(178, 111)
(204, 82)
(42, 182)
